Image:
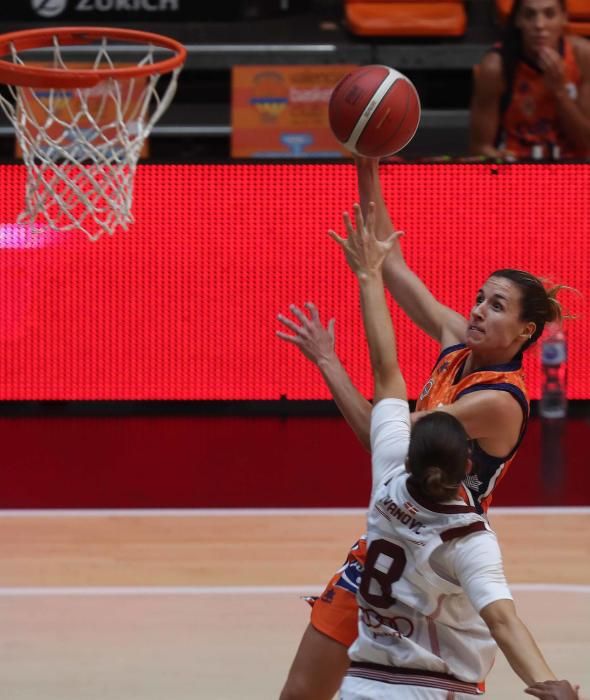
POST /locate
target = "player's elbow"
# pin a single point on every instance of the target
(499, 616)
(390, 386)
(483, 148)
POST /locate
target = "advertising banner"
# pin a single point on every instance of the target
(282, 111)
(184, 304)
(112, 11)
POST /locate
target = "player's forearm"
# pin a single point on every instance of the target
(396, 274)
(412, 295)
(408, 290)
(573, 121)
(521, 651)
(370, 190)
(353, 406)
(378, 328)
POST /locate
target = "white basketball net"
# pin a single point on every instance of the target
(81, 145)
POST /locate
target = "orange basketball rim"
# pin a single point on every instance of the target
(82, 101)
(19, 74)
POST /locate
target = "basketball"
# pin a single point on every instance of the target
(374, 111)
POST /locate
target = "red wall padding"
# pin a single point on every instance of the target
(183, 305)
(198, 462)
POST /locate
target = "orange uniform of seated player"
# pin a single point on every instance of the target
(531, 96)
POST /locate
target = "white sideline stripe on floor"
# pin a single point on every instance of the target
(312, 589)
(249, 512)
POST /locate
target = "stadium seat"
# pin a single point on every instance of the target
(581, 28)
(406, 17)
(579, 16)
(503, 8)
(578, 9)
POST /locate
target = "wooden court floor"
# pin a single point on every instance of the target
(206, 604)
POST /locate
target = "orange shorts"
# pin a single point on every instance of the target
(335, 612)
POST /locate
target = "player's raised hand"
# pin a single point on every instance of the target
(315, 340)
(553, 69)
(554, 690)
(364, 252)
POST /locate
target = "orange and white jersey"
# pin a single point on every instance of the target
(445, 386)
(430, 569)
(529, 125)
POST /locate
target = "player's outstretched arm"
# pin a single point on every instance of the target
(440, 322)
(317, 344)
(365, 255)
(516, 642)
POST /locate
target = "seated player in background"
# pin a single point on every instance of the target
(433, 597)
(531, 96)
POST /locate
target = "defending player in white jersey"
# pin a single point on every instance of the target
(433, 598)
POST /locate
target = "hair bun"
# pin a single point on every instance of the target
(435, 486)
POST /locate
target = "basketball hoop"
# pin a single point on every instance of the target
(81, 129)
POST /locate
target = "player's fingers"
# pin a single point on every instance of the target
(392, 238)
(371, 219)
(542, 60)
(289, 338)
(545, 54)
(548, 64)
(348, 224)
(296, 311)
(331, 324)
(551, 57)
(543, 690)
(311, 307)
(335, 237)
(290, 324)
(359, 221)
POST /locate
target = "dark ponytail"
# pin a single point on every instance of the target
(436, 485)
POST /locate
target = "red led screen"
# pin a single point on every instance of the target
(183, 305)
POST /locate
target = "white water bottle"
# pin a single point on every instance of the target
(554, 367)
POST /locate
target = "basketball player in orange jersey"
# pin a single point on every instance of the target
(531, 94)
(477, 378)
(433, 595)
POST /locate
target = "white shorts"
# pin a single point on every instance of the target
(364, 689)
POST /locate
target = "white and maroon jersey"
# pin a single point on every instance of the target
(430, 569)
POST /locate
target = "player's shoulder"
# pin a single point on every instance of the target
(494, 400)
(464, 549)
(489, 74)
(477, 542)
(492, 64)
(491, 67)
(500, 399)
(581, 49)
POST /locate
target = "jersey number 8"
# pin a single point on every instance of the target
(379, 552)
